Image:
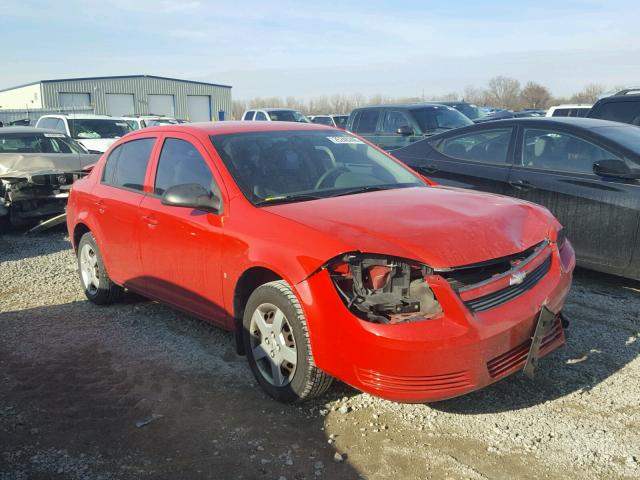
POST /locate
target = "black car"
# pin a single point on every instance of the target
(624, 107)
(586, 171)
(395, 126)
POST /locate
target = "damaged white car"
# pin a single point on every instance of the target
(37, 168)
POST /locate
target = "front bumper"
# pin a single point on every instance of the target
(457, 353)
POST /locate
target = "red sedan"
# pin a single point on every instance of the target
(326, 256)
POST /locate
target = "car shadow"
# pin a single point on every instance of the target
(602, 339)
(140, 390)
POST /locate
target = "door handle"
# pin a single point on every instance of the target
(152, 222)
(521, 185)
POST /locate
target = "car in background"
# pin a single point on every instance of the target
(586, 171)
(535, 112)
(37, 169)
(274, 115)
(95, 132)
(334, 120)
(471, 111)
(395, 126)
(504, 114)
(136, 122)
(569, 110)
(326, 256)
(623, 106)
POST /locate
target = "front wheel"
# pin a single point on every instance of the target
(276, 340)
(97, 285)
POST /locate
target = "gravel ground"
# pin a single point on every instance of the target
(138, 390)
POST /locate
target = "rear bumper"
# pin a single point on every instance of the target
(436, 359)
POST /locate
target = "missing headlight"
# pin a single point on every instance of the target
(384, 289)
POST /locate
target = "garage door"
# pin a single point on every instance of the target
(161, 105)
(70, 100)
(119, 104)
(199, 108)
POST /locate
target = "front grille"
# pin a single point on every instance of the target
(433, 383)
(495, 299)
(516, 357)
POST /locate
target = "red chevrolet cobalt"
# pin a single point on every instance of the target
(326, 256)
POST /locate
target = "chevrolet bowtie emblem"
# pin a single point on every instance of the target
(517, 278)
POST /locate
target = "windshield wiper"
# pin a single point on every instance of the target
(370, 188)
(287, 199)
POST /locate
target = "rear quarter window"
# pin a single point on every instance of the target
(626, 112)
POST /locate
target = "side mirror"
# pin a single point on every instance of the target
(191, 195)
(405, 131)
(615, 168)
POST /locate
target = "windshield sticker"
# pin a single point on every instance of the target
(345, 139)
(54, 135)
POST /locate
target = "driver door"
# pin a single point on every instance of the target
(180, 247)
(388, 138)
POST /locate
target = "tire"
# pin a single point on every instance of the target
(95, 282)
(269, 352)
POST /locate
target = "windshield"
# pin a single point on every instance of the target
(275, 167)
(287, 116)
(627, 136)
(89, 128)
(438, 117)
(38, 143)
(323, 121)
(470, 111)
(161, 121)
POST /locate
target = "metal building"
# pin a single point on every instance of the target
(124, 95)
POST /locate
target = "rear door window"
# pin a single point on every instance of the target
(260, 116)
(126, 166)
(249, 115)
(558, 151)
(488, 146)
(626, 112)
(181, 163)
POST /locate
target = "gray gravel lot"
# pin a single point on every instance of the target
(76, 378)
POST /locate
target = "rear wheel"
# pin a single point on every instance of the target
(97, 285)
(277, 343)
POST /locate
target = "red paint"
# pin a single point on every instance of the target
(193, 260)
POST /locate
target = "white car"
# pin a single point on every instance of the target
(333, 120)
(569, 110)
(274, 115)
(94, 132)
(136, 122)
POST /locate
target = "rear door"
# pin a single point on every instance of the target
(365, 123)
(180, 247)
(116, 208)
(554, 168)
(479, 159)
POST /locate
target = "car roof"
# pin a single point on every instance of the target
(572, 105)
(571, 121)
(81, 116)
(222, 128)
(29, 130)
(403, 105)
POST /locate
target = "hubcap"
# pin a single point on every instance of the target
(89, 269)
(273, 345)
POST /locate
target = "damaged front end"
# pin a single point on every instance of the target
(383, 289)
(29, 196)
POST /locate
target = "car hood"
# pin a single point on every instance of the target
(440, 226)
(97, 144)
(23, 164)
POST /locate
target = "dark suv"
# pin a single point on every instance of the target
(624, 106)
(395, 126)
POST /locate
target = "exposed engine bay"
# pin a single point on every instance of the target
(384, 289)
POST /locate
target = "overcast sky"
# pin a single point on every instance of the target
(306, 49)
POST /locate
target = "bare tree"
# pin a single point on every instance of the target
(589, 94)
(504, 91)
(534, 95)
